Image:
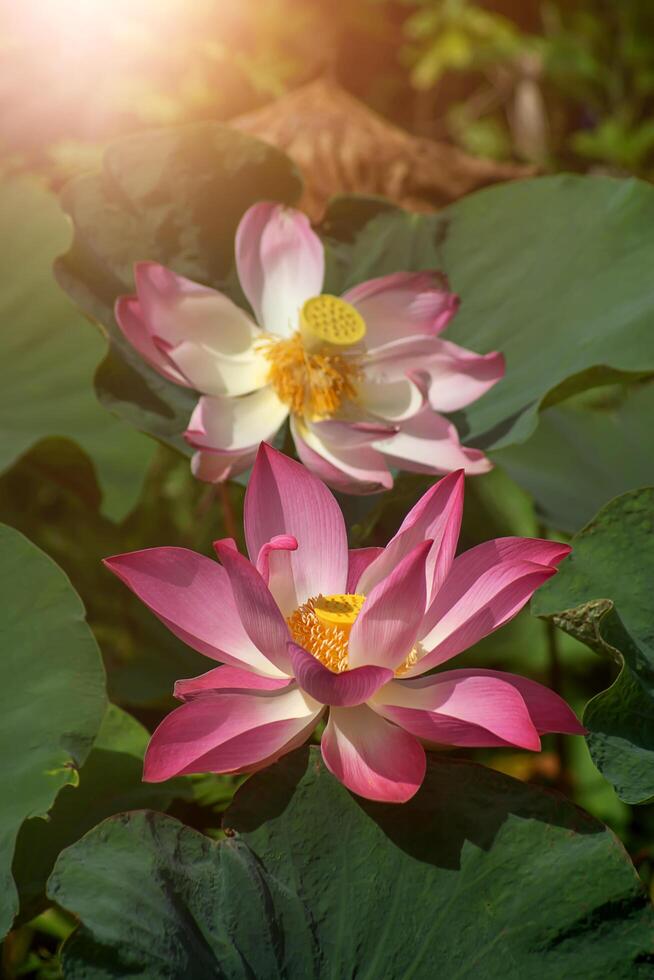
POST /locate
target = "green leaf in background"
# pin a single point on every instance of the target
(173, 196)
(52, 496)
(585, 452)
(604, 596)
(478, 875)
(52, 693)
(109, 781)
(49, 354)
(554, 272)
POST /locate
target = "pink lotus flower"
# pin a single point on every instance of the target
(306, 627)
(363, 377)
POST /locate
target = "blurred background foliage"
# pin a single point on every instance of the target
(560, 84)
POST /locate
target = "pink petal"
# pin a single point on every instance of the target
(345, 690)
(281, 542)
(349, 468)
(179, 310)
(372, 758)
(400, 357)
(225, 543)
(427, 706)
(469, 607)
(274, 563)
(191, 594)
(458, 377)
(359, 560)
(468, 567)
(280, 263)
(227, 731)
(394, 401)
(548, 711)
(192, 334)
(428, 443)
(284, 498)
(215, 373)
(295, 743)
(261, 617)
(213, 466)
(352, 435)
(130, 319)
(491, 553)
(402, 305)
(437, 515)
(227, 678)
(387, 627)
(235, 425)
(451, 376)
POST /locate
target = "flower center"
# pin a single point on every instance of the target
(322, 626)
(310, 371)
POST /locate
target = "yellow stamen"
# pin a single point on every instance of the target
(313, 384)
(412, 659)
(331, 320)
(322, 626)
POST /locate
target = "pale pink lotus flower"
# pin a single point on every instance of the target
(305, 628)
(363, 377)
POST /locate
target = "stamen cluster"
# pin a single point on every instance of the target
(327, 642)
(312, 383)
(322, 626)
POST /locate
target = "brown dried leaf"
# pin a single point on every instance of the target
(343, 147)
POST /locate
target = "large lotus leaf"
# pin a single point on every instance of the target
(52, 695)
(111, 780)
(49, 354)
(604, 596)
(555, 272)
(479, 875)
(584, 454)
(173, 196)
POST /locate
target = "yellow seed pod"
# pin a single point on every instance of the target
(338, 610)
(331, 320)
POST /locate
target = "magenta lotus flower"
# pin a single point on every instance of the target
(306, 627)
(363, 377)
